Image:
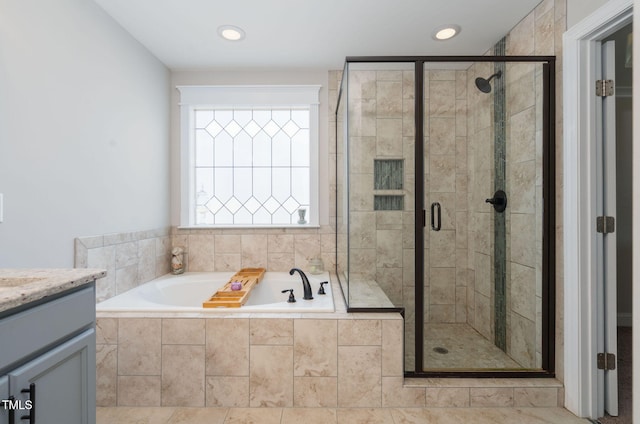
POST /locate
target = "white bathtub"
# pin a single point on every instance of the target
(186, 292)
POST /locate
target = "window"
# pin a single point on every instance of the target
(249, 156)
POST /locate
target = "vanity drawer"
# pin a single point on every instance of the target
(27, 332)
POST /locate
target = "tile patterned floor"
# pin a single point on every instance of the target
(466, 349)
(168, 415)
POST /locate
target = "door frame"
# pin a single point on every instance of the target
(579, 196)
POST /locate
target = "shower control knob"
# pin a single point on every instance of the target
(499, 201)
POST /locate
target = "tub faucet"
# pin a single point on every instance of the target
(305, 283)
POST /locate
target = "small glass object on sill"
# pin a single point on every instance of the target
(301, 214)
(177, 260)
(316, 266)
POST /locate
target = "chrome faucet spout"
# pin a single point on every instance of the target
(305, 283)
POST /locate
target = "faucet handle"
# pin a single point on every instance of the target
(292, 298)
(321, 290)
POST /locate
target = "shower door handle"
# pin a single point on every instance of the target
(436, 216)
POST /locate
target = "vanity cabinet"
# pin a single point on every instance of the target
(4, 394)
(47, 360)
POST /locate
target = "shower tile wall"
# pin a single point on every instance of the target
(539, 33)
(524, 218)
(381, 128)
(459, 259)
(480, 253)
(523, 214)
(445, 150)
(381, 122)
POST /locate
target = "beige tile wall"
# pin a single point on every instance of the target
(480, 251)
(540, 33)
(445, 181)
(130, 259)
(275, 249)
(380, 127)
(252, 362)
(342, 361)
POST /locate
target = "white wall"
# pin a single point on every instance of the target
(579, 9)
(84, 131)
(254, 77)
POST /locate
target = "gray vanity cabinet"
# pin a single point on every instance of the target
(4, 394)
(49, 359)
(58, 382)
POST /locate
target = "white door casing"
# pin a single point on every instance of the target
(581, 54)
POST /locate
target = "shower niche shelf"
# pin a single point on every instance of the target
(388, 202)
(388, 174)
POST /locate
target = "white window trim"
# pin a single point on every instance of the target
(192, 97)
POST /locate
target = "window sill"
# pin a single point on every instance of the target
(248, 227)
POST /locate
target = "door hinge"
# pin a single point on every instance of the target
(605, 224)
(604, 88)
(606, 361)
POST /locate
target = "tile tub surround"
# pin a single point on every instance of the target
(131, 259)
(277, 249)
(258, 361)
(263, 361)
(248, 360)
(336, 360)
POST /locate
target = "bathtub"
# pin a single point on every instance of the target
(186, 292)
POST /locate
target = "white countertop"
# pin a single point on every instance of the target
(22, 286)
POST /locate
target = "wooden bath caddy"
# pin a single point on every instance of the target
(227, 298)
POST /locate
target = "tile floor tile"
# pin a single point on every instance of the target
(254, 416)
(170, 415)
(308, 416)
(198, 416)
(132, 415)
(364, 416)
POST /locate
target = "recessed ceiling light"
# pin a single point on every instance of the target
(445, 32)
(231, 33)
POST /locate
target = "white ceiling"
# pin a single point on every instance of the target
(310, 33)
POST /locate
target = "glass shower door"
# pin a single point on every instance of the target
(483, 198)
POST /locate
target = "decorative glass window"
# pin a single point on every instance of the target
(249, 156)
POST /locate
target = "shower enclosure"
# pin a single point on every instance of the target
(445, 207)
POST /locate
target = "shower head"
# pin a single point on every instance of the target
(484, 85)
